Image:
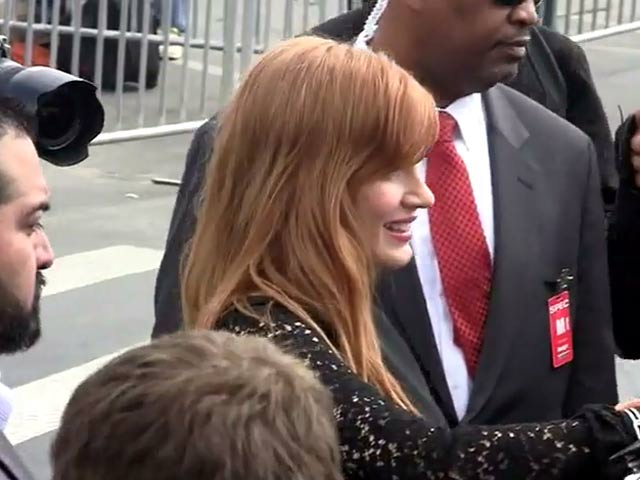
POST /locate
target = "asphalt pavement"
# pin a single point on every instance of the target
(108, 226)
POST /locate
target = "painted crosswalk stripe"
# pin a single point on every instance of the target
(95, 266)
(38, 406)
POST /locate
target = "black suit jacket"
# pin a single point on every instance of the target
(11, 466)
(168, 316)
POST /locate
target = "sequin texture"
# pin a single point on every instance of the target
(379, 440)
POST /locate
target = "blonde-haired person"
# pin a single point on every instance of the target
(312, 189)
(199, 406)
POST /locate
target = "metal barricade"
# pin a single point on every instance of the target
(586, 20)
(218, 42)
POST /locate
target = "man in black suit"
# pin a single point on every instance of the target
(548, 216)
(24, 198)
(535, 183)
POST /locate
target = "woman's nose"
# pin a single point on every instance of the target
(419, 197)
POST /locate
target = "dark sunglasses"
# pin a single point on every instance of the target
(515, 3)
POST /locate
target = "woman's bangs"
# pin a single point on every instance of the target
(411, 126)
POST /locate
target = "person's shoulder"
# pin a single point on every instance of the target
(210, 125)
(200, 150)
(560, 150)
(539, 121)
(262, 316)
(555, 39)
(551, 35)
(567, 52)
(207, 129)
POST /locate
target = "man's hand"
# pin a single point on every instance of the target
(628, 404)
(635, 150)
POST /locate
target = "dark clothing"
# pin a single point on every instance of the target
(547, 218)
(403, 364)
(382, 441)
(11, 466)
(183, 220)
(568, 90)
(624, 250)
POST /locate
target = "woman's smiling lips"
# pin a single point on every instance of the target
(400, 229)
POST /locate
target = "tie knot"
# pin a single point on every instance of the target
(448, 125)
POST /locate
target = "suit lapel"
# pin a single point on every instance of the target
(402, 296)
(401, 361)
(513, 172)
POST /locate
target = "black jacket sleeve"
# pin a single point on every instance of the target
(168, 312)
(624, 250)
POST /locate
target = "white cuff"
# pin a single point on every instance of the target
(634, 415)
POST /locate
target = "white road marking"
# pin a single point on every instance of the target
(95, 266)
(38, 406)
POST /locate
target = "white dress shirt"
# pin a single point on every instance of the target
(472, 145)
(6, 406)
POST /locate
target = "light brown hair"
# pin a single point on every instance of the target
(311, 123)
(199, 406)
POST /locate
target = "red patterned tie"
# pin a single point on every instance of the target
(459, 241)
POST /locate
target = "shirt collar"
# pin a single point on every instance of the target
(468, 111)
(469, 114)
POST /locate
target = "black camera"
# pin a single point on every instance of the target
(66, 109)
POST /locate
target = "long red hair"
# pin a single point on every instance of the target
(311, 123)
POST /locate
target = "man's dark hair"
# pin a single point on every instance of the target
(13, 119)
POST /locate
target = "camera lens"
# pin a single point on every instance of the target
(58, 120)
(68, 113)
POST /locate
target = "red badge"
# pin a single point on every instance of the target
(560, 329)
